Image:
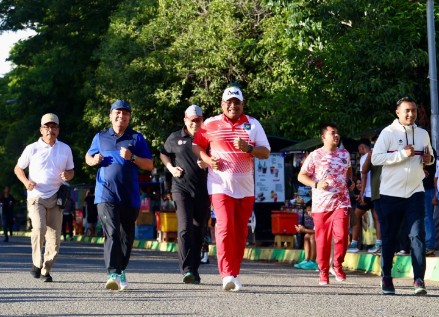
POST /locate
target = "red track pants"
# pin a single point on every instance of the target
(232, 216)
(328, 225)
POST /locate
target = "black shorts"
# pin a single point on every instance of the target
(367, 204)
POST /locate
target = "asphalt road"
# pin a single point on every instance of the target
(270, 289)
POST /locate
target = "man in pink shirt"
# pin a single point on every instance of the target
(327, 170)
(232, 140)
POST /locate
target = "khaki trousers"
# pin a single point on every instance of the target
(46, 219)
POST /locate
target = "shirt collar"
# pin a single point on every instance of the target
(112, 132)
(183, 133)
(41, 142)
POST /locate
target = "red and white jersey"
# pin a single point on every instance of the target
(234, 177)
(332, 165)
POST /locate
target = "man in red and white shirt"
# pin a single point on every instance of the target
(326, 170)
(232, 140)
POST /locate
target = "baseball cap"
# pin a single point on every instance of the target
(49, 117)
(120, 104)
(233, 92)
(193, 111)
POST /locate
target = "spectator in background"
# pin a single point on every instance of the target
(327, 170)
(91, 211)
(309, 240)
(67, 218)
(403, 149)
(50, 163)
(118, 152)
(375, 180)
(189, 190)
(228, 143)
(8, 203)
(436, 206)
(430, 195)
(365, 201)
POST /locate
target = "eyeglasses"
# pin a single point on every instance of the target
(232, 102)
(49, 128)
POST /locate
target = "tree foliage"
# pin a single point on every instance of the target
(299, 63)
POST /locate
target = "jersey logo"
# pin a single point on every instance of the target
(180, 142)
(400, 142)
(247, 126)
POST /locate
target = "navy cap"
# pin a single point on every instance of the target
(120, 104)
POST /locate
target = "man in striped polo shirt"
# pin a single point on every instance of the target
(228, 143)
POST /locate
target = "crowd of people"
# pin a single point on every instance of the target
(212, 167)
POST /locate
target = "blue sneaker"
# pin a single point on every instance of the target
(309, 265)
(353, 248)
(299, 265)
(123, 281)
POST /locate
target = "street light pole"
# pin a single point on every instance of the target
(432, 74)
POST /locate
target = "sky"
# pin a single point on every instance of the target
(7, 39)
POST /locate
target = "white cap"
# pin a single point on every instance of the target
(49, 117)
(233, 92)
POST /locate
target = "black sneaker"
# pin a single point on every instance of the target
(46, 277)
(35, 272)
(387, 286)
(197, 279)
(188, 278)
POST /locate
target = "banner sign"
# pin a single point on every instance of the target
(270, 179)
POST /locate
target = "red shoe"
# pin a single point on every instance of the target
(340, 275)
(324, 278)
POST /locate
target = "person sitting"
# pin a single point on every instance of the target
(309, 241)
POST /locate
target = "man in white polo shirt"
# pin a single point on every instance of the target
(50, 163)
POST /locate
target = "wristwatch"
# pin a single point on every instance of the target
(133, 158)
(250, 148)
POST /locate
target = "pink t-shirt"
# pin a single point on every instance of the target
(334, 165)
(234, 176)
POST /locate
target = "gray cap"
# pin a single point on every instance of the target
(193, 111)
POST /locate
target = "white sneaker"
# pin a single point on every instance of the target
(113, 282)
(123, 281)
(331, 271)
(228, 283)
(238, 285)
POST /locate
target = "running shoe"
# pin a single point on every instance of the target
(387, 286)
(419, 286)
(123, 281)
(340, 275)
(188, 278)
(323, 278)
(113, 282)
(375, 249)
(228, 283)
(353, 247)
(309, 265)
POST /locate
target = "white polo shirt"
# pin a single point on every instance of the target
(46, 163)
